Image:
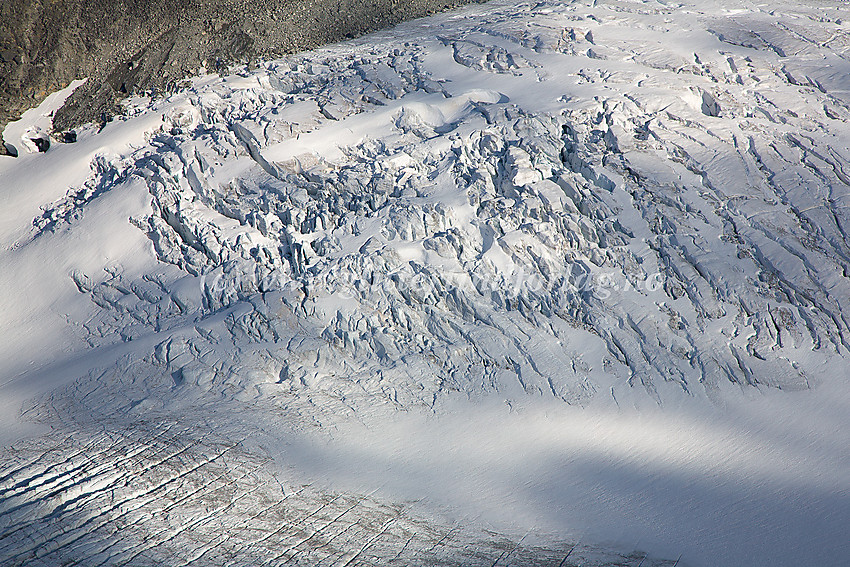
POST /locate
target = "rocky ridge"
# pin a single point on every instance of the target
(126, 47)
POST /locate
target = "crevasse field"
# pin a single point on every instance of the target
(525, 284)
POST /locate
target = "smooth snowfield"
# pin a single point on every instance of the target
(522, 284)
(740, 487)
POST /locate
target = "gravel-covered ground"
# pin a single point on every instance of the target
(127, 46)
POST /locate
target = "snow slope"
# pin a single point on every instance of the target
(568, 276)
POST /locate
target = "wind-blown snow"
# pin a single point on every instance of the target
(583, 263)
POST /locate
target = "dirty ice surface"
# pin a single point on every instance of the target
(547, 283)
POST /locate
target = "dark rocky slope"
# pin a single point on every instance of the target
(127, 46)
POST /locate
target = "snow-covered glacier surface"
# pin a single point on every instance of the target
(522, 284)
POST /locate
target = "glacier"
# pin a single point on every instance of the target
(547, 283)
